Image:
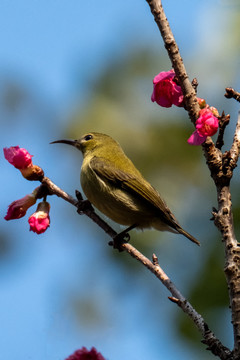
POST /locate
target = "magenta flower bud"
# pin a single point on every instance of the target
(84, 354)
(18, 208)
(22, 160)
(40, 220)
(206, 125)
(165, 90)
(196, 138)
(18, 157)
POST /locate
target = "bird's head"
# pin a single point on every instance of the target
(90, 142)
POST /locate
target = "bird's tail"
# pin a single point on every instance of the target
(187, 235)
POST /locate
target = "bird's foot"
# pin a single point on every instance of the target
(83, 205)
(121, 238)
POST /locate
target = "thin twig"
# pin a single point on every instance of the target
(223, 122)
(195, 84)
(55, 190)
(221, 168)
(208, 337)
(190, 98)
(188, 90)
(231, 93)
(235, 149)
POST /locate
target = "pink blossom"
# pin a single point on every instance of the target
(18, 157)
(22, 160)
(18, 208)
(84, 354)
(196, 139)
(206, 125)
(40, 220)
(165, 90)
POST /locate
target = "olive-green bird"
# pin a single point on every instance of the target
(114, 186)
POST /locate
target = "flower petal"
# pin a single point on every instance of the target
(165, 91)
(40, 220)
(18, 208)
(84, 354)
(18, 157)
(196, 139)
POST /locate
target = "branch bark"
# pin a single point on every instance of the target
(176, 59)
(231, 93)
(224, 222)
(221, 167)
(217, 348)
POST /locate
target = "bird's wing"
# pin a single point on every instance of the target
(138, 187)
(133, 184)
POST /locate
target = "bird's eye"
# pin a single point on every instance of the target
(88, 137)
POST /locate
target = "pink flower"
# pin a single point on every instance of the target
(206, 125)
(18, 208)
(165, 90)
(196, 139)
(40, 221)
(84, 354)
(22, 160)
(18, 157)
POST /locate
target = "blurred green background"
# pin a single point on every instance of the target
(71, 67)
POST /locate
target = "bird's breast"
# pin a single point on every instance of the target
(114, 202)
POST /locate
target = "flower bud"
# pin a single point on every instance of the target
(18, 208)
(165, 90)
(202, 103)
(22, 160)
(32, 173)
(206, 125)
(40, 220)
(84, 354)
(214, 111)
(18, 157)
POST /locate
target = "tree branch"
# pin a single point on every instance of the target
(209, 338)
(231, 93)
(55, 190)
(176, 59)
(48, 187)
(223, 122)
(235, 149)
(224, 221)
(221, 167)
(189, 93)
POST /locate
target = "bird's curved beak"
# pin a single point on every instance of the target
(69, 142)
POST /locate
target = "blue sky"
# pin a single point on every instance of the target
(42, 43)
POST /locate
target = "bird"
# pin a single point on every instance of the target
(113, 184)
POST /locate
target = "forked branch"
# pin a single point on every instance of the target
(221, 166)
